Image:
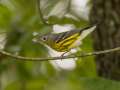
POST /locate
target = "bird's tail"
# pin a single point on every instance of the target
(86, 31)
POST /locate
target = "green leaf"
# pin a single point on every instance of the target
(33, 84)
(5, 16)
(22, 72)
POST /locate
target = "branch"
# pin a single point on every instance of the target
(55, 58)
(69, 6)
(41, 14)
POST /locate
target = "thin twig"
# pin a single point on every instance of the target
(41, 14)
(69, 6)
(56, 58)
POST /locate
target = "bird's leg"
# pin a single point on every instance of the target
(63, 54)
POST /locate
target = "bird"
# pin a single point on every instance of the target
(64, 41)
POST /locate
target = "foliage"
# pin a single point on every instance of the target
(69, 83)
(20, 18)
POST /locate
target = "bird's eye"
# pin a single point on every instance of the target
(44, 38)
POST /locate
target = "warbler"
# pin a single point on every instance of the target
(65, 41)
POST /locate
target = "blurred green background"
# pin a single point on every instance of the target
(20, 19)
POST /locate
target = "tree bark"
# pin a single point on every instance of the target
(106, 36)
